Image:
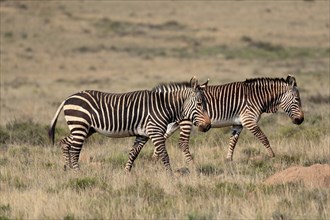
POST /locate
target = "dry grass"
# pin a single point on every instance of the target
(51, 50)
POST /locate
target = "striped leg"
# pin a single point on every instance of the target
(185, 130)
(76, 145)
(160, 150)
(254, 128)
(236, 130)
(135, 150)
(65, 145)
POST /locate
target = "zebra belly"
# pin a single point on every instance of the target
(118, 134)
(225, 123)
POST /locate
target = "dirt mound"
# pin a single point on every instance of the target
(317, 175)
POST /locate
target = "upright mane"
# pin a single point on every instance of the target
(264, 80)
(172, 86)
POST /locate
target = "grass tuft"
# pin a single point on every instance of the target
(79, 184)
(5, 211)
(209, 169)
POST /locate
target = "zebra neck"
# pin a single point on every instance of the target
(168, 105)
(267, 96)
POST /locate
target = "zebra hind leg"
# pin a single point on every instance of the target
(65, 146)
(236, 130)
(76, 145)
(134, 152)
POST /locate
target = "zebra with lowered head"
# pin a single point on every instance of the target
(144, 114)
(240, 104)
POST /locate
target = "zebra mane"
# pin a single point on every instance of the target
(172, 86)
(265, 80)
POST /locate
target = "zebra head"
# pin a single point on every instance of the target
(291, 103)
(194, 107)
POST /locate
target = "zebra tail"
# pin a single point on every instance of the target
(51, 132)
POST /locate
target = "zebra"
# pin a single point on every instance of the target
(144, 114)
(240, 104)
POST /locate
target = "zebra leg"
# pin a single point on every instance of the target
(236, 130)
(76, 145)
(160, 151)
(65, 145)
(135, 150)
(257, 132)
(185, 130)
(171, 128)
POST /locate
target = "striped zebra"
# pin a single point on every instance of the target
(240, 104)
(144, 114)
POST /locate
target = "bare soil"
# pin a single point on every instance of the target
(317, 175)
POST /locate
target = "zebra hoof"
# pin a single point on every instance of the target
(128, 170)
(271, 155)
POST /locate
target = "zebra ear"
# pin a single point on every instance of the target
(204, 85)
(291, 80)
(193, 82)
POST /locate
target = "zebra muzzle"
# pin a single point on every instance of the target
(204, 128)
(298, 121)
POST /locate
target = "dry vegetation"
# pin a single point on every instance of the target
(50, 50)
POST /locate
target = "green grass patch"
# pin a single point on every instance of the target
(108, 26)
(25, 132)
(82, 183)
(117, 161)
(198, 216)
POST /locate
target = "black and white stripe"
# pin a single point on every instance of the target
(144, 114)
(240, 104)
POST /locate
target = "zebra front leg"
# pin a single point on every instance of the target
(236, 130)
(161, 152)
(257, 132)
(135, 150)
(185, 130)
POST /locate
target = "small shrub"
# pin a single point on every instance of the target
(8, 34)
(19, 183)
(68, 217)
(4, 211)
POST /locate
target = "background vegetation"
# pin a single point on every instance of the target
(50, 50)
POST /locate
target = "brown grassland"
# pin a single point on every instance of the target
(50, 50)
